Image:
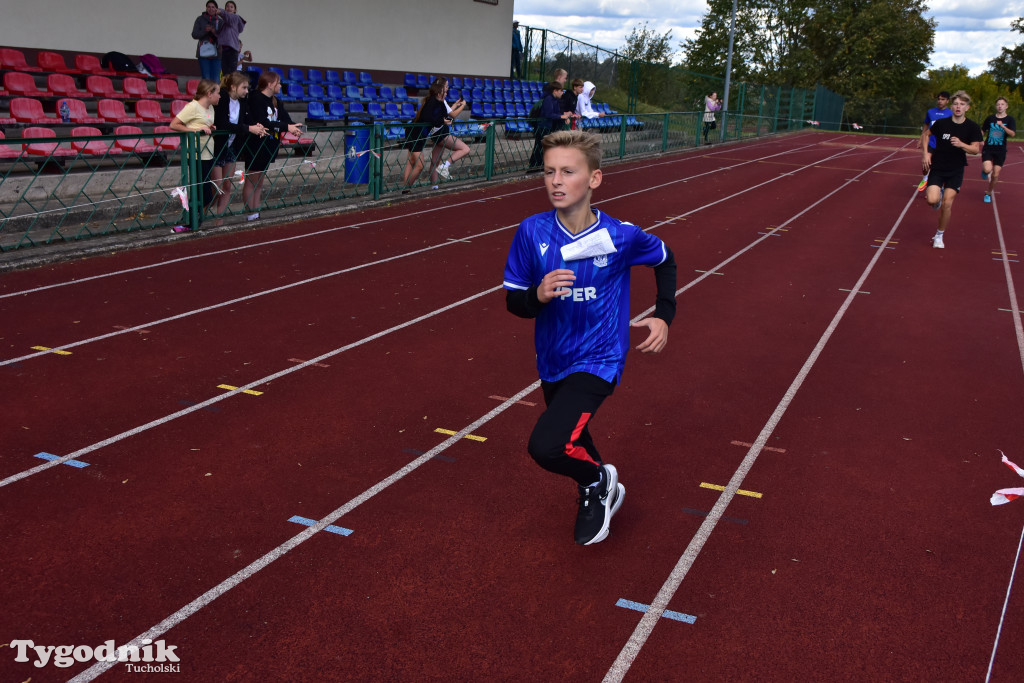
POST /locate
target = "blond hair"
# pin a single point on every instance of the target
(962, 96)
(232, 80)
(587, 143)
(205, 88)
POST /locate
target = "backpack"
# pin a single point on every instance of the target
(152, 64)
(535, 109)
(118, 62)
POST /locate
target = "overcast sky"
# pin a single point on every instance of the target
(967, 32)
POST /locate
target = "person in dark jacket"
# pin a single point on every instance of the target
(264, 109)
(231, 114)
(552, 118)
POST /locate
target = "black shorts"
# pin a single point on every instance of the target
(951, 179)
(994, 153)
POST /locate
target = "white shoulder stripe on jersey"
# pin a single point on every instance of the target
(512, 285)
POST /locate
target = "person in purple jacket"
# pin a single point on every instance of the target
(227, 37)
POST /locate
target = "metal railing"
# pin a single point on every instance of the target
(62, 189)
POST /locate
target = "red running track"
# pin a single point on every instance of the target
(869, 422)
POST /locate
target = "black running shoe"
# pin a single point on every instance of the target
(597, 505)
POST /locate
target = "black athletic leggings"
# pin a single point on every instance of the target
(561, 441)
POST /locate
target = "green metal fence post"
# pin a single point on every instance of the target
(195, 194)
(622, 136)
(489, 143)
(664, 133)
(377, 159)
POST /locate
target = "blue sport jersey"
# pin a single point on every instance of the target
(586, 330)
(933, 115)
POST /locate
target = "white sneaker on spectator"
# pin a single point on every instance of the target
(253, 216)
(443, 170)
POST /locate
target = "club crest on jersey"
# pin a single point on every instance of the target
(601, 261)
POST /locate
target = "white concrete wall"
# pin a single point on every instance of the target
(425, 36)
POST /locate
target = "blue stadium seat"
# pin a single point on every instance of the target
(331, 76)
(488, 96)
(507, 96)
(478, 83)
(315, 76)
(336, 110)
(457, 82)
(348, 78)
(400, 94)
(477, 110)
(370, 93)
(408, 111)
(295, 76)
(506, 84)
(334, 92)
(374, 110)
(478, 95)
(293, 93)
(356, 108)
(517, 86)
(488, 110)
(386, 94)
(423, 81)
(488, 84)
(365, 79)
(499, 109)
(521, 111)
(352, 94)
(453, 95)
(391, 111)
(315, 111)
(410, 80)
(316, 92)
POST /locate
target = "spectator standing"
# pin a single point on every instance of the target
(517, 52)
(231, 114)
(569, 99)
(205, 31)
(551, 119)
(430, 115)
(198, 115)
(711, 105)
(261, 151)
(227, 36)
(584, 102)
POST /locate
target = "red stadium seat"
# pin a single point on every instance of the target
(22, 85)
(190, 87)
(113, 111)
(79, 113)
(168, 87)
(63, 85)
(101, 86)
(53, 62)
(15, 60)
(136, 87)
(149, 110)
(9, 151)
(90, 64)
(95, 147)
(45, 149)
(177, 106)
(27, 110)
(172, 142)
(135, 145)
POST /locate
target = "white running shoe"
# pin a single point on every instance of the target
(443, 170)
(253, 216)
(937, 242)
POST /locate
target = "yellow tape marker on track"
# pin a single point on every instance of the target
(468, 436)
(244, 391)
(56, 351)
(716, 487)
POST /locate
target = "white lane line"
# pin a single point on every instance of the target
(230, 302)
(234, 392)
(645, 627)
(1019, 329)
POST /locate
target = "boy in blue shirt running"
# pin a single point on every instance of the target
(569, 268)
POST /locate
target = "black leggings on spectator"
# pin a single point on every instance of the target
(228, 60)
(561, 441)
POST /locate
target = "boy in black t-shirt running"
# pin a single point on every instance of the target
(955, 138)
(996, 129)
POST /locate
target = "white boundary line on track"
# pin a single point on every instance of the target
(1019, 330)
(657, 608)
(446, 243)
(353, 226)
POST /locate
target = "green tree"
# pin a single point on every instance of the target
(1008, 68)
(650, 56)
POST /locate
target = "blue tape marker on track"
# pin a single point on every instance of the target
(74, 463)
(340, 530)
(668, 614)
(701, 513)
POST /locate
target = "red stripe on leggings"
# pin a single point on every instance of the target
(578, 452)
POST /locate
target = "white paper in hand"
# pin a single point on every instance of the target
(596, 244)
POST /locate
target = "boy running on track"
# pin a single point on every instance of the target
(569, 268)
(993, 155)
(955, 138)
(940, 111)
